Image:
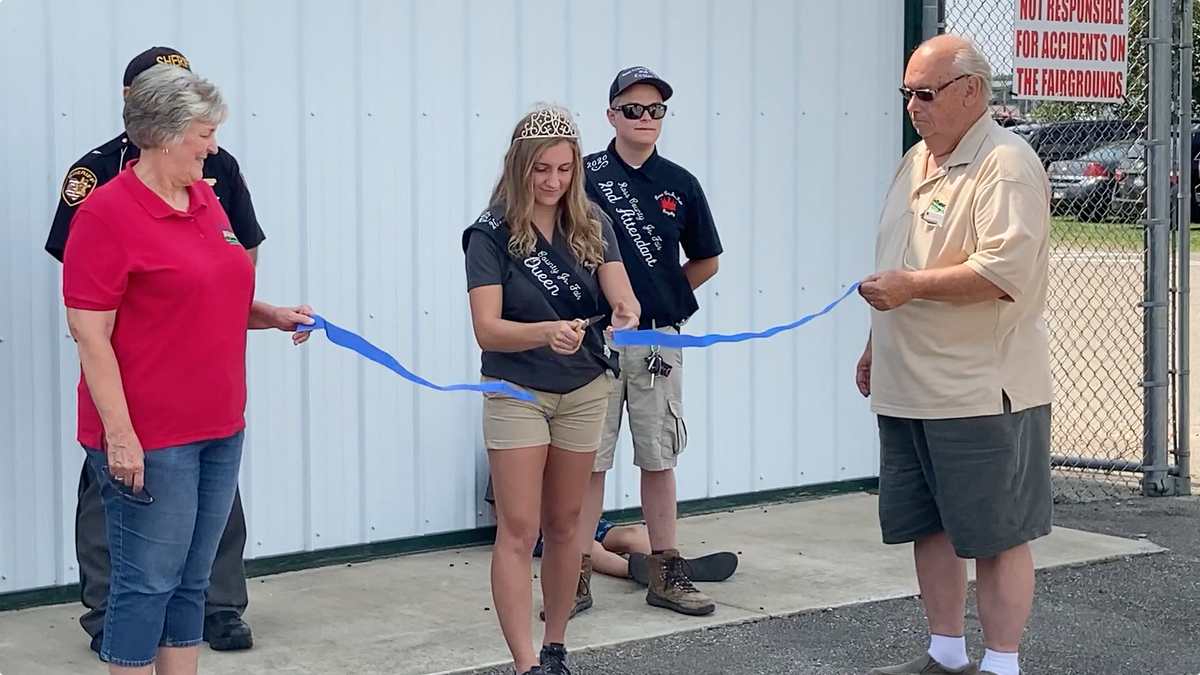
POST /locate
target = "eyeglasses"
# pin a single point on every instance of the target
(126, 491)
(927, 95)
(634, 111)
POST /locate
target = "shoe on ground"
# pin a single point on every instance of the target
(226, 632)
(583, 590)
(554, 660)
(711, 568)
(925, 665)
(670, 588)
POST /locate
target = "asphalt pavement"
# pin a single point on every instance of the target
(1137, 615)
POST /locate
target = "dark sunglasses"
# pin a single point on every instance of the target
(126, 491)
(634, 111)
(927, 95)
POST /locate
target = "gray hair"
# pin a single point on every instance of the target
(970, 60)
(164, 101)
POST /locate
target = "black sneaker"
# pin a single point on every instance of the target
(97, 641)
(226, 632)
(536, 670)
(554, 660)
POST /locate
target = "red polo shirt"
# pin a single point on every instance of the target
(182, 287)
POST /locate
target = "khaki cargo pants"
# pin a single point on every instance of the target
(655, 412)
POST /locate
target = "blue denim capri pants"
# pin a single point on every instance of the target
(162, 551)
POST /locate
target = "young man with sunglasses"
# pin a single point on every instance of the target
(657, 208)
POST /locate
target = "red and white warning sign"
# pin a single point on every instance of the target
(1071, 50)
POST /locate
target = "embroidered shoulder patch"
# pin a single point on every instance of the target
(78, 185)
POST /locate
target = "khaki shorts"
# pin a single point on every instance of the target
(655, 413)
(573, 421)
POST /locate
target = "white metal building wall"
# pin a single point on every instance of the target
(370, 133)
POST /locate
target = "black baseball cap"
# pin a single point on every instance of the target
(638, 75)
(152, 57)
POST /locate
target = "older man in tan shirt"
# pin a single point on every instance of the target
(957, 364)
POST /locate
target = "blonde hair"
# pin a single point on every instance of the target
(578, 217)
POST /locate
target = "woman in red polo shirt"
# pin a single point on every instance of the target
(159, 297)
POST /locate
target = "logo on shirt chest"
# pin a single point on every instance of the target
(230, 237)
(935, 213)
(669, 202)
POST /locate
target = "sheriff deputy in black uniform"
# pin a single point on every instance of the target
(224, 629)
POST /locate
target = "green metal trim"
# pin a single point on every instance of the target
(914, 19)
(38, 597)
(482, 536)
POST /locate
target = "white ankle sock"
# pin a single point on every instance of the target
(1000, 663)
(950, 651)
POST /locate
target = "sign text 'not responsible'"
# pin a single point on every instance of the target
(1071, 50)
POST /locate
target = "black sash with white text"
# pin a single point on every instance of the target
(622, 203)
(557, 277)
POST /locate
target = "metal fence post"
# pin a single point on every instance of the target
(914, 35)
(932, 19)
(1157, 227)
(1118, 305)
(1183, 296)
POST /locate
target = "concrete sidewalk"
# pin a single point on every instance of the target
(431, 613)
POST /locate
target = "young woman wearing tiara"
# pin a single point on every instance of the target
(538, 260)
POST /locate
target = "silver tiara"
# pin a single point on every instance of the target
(549, 122)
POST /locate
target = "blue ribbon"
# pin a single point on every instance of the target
(655, 338)
(356, 343)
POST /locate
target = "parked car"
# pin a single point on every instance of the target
(1006, 118)
(1084, 186)
(1130, 185)
(1057, 141)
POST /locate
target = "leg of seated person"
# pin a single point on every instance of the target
(609, 563)
(628, 539)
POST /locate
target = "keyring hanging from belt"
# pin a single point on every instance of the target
(654, 363)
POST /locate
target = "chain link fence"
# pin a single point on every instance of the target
(1097, 157)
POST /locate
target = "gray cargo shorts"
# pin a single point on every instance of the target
(985, 481)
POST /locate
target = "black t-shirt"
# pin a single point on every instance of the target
(489, 264)
(101, 165)
(661, 209)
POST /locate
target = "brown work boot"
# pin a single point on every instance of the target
(583, 591)
(670, 587)
(925, 665)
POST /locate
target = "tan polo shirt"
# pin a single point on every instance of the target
(986, 208)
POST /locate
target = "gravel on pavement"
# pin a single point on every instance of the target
(1139, 615)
